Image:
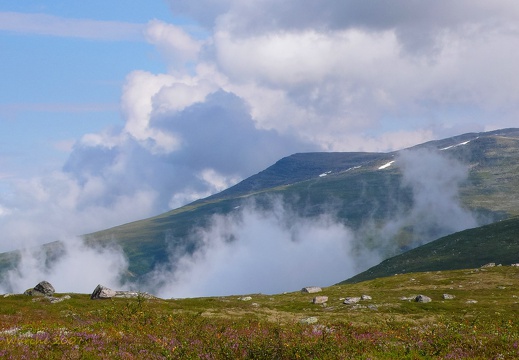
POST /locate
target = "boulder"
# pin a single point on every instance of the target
(351, 300)
(320, 299)
(311, 289)
(102, 292)
(489, 265)
(32, 292)
(44, 288)
(422, 299)
(133, 295)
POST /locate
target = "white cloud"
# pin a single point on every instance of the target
(178, 46)
(343, 69)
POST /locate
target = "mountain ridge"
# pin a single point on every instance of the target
(358, 188)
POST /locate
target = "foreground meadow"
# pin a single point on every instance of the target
(479, 322)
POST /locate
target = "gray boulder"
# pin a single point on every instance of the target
(489, 265)
(102, 292)
(44, 288)
(320, 299)
(311, 289)
(422, 299)
(351, 300)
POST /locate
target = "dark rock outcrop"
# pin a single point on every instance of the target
(44, 288)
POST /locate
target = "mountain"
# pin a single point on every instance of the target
(367, 192)
(494, 243)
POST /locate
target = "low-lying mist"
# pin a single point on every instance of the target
(74, 268)
(261, 251)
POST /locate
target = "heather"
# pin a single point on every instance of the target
(478, 321)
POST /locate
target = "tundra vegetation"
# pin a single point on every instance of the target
(472, 314)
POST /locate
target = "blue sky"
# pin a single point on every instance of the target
(55, 88)
(110, 112)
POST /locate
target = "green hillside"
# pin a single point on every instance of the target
(495, 243)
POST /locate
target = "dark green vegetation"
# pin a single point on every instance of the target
(354, 190)
(495, 243)
(480, 322)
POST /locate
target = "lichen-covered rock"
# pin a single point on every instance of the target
(422, 299)
(320, 299)
(351, 300)
(102, 292)
(308, 320)
(311, 289)
(489, 265)
(45, 287)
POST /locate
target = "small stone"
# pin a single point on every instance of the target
(471, 301)
(245, 298)
(351, 300)
(448, 296)
(54, 300)
(489, 265)
(320, 299)
(311, 289)
(422, 299)
(366, 297)
(308, 320)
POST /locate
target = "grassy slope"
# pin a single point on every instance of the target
(497, 242)
(480, 322)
